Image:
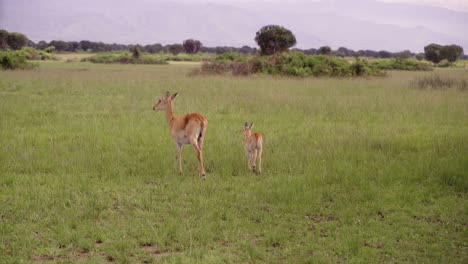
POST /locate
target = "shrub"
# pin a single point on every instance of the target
(289, 64)
(125, 58)
(34, 54)
(50, 49)
(363, 68)
(228, 56)
(402, 64)
(12, 60)
(444, 64)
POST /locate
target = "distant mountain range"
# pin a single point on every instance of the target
(359, 24)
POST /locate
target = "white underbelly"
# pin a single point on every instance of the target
(183, 140)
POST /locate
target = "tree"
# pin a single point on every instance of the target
(3, 39)
(273, 38)
(451, 52)
(246, 50)
(432, 52)
(154, 48)
(325, 50)
(16, 41)
(136, 51)
(175, 48)
(385, 54)
(86, 45)
(420, 56)
(41, 45)
(344, 52)
(310, 51)
(191, 46)
(60, 45)
(406, 54)
(222, 50)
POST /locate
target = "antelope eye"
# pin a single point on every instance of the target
(159, 101)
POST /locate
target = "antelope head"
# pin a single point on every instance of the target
(162, 103)
(248, 129)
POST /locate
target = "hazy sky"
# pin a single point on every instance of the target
(392, 25)
(459, 5)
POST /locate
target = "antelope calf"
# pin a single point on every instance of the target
(253, 145)
(184, 129)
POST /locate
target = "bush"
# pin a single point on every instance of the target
(228, 56)
(12, 60)
(444, 64)
(187, 57)
(125, 58)
(402, 64)
(363, 68)
(289, 64)
(33, 54)
(50, 49)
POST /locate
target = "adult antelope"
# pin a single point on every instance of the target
(253, 146)
(185, 129)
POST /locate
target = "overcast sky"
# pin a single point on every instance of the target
(459, 5)
(392, 25)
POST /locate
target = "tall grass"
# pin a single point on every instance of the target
(355, 170)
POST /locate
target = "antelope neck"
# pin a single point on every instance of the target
(169, 115)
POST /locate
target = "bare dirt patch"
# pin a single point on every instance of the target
(155, 252)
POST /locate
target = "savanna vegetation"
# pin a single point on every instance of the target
(354, 169)
(289, 64)
(144, 58)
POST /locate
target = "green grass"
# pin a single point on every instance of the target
(145, 58)
(355, 170)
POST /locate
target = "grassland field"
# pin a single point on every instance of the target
(361, 170)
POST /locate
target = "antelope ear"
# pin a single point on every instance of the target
(174, 96)
(251, 125)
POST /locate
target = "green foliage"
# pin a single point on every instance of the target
(136, 52)
(437, 53)
(125, 58)
(230, 56)
(3, 39)
(325, 50)
(444, 63)
(364, 68)
(273, 39)
(34, 54)
(432, 52)
(290, 64)
(406, 54)
(50, 49)
(12, 60)
(451, 52)
(402, 64)
(186, 57)
(16, 41)
(191, 46)
(175, 49)
(420, 56)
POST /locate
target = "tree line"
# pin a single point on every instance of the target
(270, 39)
(275, 39)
